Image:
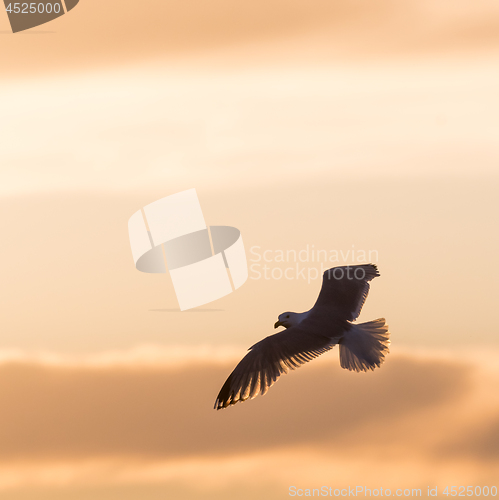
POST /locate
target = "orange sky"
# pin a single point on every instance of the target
(332, 125)
(102, 35)
(149, 431)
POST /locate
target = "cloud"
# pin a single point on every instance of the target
(121, 33)
(94, 430)
(479, 442)
(51, 412)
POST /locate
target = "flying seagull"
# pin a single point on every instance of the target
(311, 333)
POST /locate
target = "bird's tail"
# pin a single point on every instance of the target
(364, 346)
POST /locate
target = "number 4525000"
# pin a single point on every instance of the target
(33, 8)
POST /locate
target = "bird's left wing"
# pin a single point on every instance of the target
(267, 360)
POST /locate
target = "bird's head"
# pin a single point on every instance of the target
(287, 319)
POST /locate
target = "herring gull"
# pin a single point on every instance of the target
(308, 334)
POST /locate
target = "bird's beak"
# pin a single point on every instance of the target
(278, 323)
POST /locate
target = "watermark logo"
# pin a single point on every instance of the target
(26, 15)
(205, 262)
(307, 263)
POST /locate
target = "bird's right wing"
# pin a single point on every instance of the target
(267, 360)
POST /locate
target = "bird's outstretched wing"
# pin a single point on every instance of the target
(345, 289)
(267, 360)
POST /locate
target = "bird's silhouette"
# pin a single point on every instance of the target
(307, 335)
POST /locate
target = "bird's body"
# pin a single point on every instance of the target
(311, 333)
